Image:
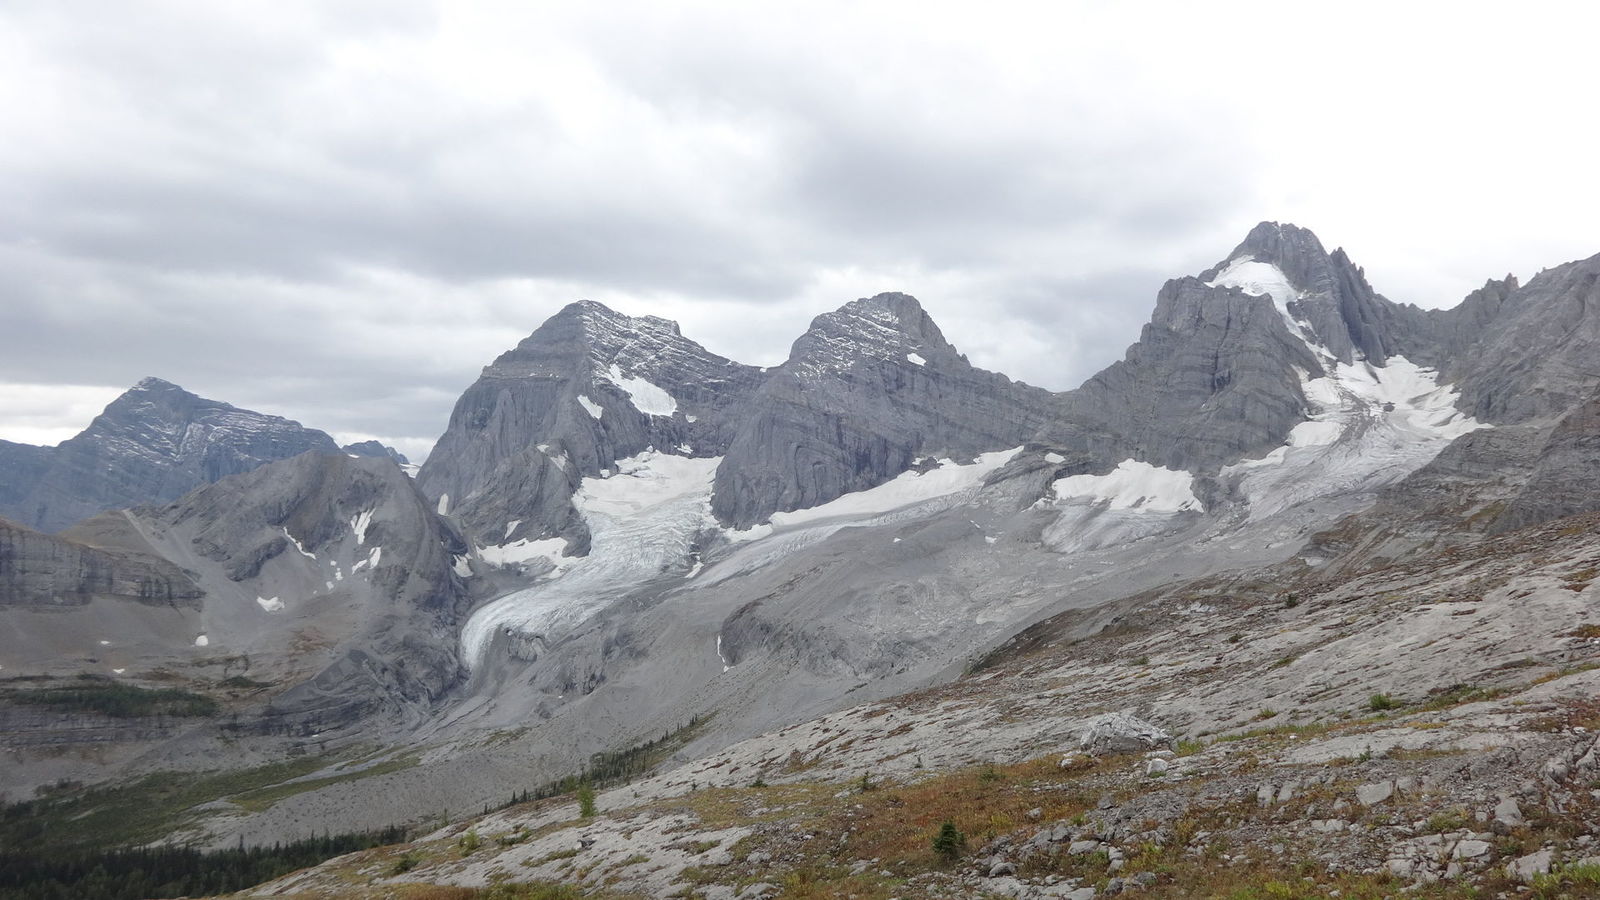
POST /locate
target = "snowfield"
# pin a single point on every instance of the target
(908, 496)
(1135, 500)
(646, 397)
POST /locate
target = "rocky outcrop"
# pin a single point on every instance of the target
(44, 570)
(867, 391)
(151, 445)
(590, 387)
(1122, 733)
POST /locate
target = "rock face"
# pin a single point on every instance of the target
(1342, 311)
(151, 445)
(589, 387)
(1565, 478)
(1534, 359)
(44, 570)
(868, 390)
(1214, 377)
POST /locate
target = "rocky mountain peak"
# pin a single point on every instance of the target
(1323, 297)
(1293, 250)
(890, 327)
(587, 336)
(152, 384)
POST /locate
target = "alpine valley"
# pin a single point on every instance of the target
(1299, 593)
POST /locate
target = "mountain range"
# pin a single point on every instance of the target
(620, 532)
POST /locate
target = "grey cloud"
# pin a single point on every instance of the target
(305, 210)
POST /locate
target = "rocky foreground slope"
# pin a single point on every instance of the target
(1427, 727)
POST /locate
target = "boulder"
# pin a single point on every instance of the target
(1122, 733)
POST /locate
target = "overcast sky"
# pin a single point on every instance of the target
(340, 212)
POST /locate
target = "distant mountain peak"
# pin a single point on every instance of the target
(152, 383)
(151, 444)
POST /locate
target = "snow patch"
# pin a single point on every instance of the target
(202, 641)
(444, 505)
(461, 565)
(1055, 458)
(105, 643)
(526, 551)
(1133, 485)
(916, 359)
(270, 604)
(745, 535)
(510, 527)
(911, 495)
(1259, 279)
(905, 489)
(646, 397)
(297, 545)
(725, 666)
(360, 524)
(691, 419)
(118, 671)
(592, 407)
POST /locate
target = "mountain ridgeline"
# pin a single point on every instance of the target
(620, 531)
(869, 390)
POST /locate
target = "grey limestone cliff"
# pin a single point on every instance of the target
(45, 570)
(1538, 355)
(1213, 377)
(151, 445)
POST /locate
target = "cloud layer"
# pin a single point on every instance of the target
(340, 211)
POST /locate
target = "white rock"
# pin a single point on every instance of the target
(1377, 792)
(1122, 733)
(1508, 813)
(1524, 868)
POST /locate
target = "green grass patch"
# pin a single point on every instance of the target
(148, 809)
(97, 694)
(263, 798)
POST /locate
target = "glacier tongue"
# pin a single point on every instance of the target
(643, 522)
